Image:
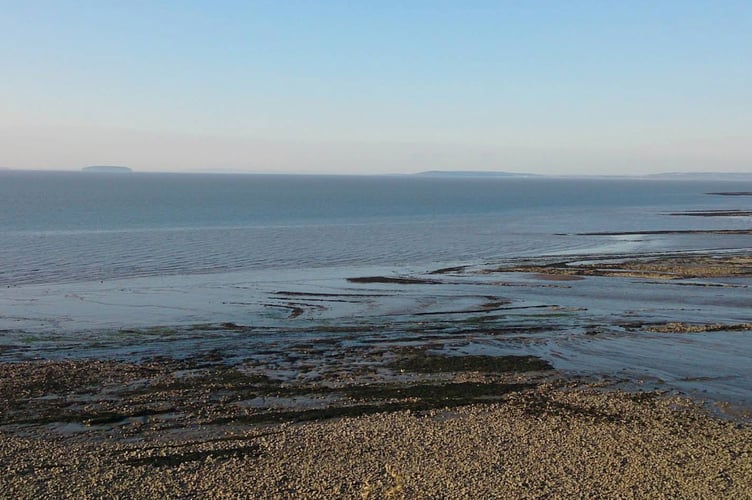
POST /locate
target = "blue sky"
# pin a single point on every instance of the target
(599, 87)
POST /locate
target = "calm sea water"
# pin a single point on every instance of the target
(71, 226)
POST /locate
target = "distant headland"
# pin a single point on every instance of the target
(470, 173)
(677, 176)
(110, 169)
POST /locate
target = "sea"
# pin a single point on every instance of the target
(63, 227)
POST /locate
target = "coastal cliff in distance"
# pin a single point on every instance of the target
(110, 169)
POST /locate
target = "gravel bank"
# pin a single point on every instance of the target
(545, 443)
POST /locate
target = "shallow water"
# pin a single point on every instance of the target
(310, 324)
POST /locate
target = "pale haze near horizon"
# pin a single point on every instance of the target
(386, 87)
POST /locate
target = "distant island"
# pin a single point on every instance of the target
(470, 173)
(110, 169)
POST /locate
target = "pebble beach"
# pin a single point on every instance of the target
(550, 443)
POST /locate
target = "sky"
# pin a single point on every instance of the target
(371, 87)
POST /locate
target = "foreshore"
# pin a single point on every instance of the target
(468, 394)
(454, 427)
(532, 439)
